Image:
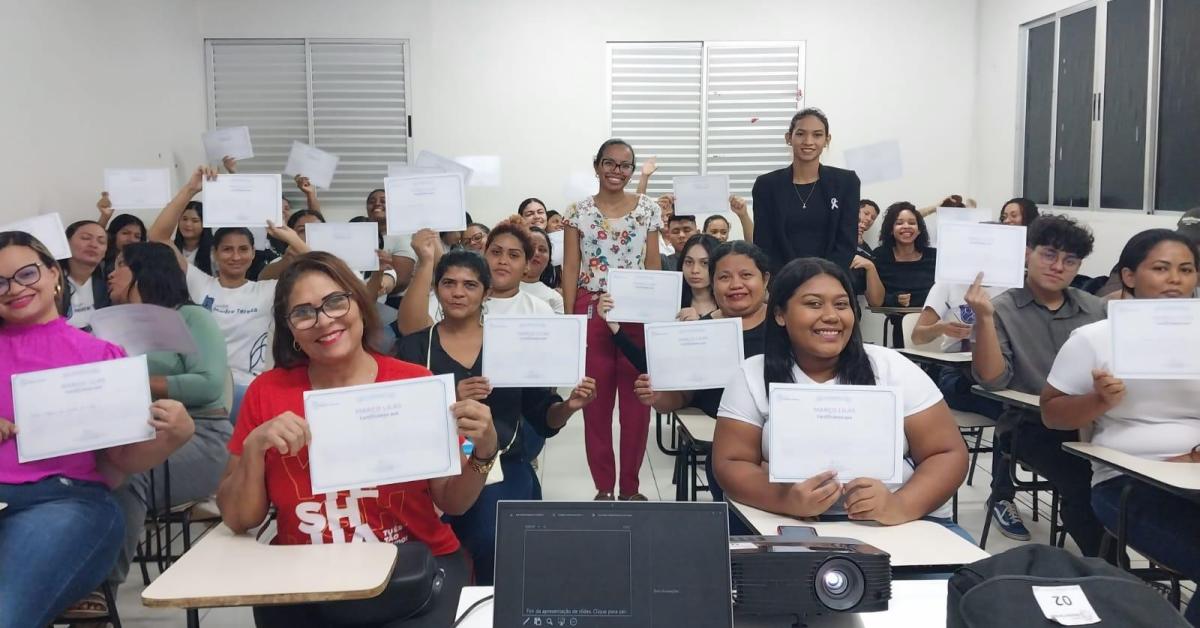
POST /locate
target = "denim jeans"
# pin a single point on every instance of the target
(236, 404)
(1159, 525)
(58, 540)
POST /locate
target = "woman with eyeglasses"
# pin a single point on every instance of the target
(322, 314)
(523, 417)
(475, 236)
(61, 529)
(540, 277)
(612, 229)
(85, 271)
(147, 272)
(241, 306)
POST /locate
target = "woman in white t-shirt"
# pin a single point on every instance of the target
(85, 272)
(535, 271)
(1149, 418)
(242, 307)
(813, 337)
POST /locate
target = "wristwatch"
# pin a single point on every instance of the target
(482, 466)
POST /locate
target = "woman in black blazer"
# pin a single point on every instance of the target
(807, 209)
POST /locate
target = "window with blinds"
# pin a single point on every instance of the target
(347, 97)
(706, 107)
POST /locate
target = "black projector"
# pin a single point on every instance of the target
(802, 576)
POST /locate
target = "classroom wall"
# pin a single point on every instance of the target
(89, 85)
(992, 176)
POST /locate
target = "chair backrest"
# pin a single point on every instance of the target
(907, 325)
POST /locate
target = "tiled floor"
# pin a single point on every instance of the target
(564, 473)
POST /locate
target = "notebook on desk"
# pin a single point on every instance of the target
(612, 564)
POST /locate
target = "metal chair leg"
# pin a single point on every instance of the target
(975, 455)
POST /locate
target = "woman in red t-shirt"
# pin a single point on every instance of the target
(269, 461)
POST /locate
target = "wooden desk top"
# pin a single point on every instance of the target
(938, 357)
(914, 603)
(912, 544)
(1184, 476)
(225, 569)
(700, 426)
(1010, 397)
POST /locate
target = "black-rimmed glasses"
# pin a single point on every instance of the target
(25, 276)
(333, 306)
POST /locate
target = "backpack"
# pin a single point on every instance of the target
(999, 592)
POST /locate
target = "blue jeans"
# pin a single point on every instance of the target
(236, 404)
(58, 540)
(1159, 525)
(476, 528)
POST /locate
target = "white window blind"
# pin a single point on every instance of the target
(706, 107)
(347, 97)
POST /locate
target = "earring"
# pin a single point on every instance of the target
(296, 346)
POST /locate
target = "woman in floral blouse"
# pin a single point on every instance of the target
(610, 230)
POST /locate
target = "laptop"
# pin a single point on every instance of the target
(612, 565)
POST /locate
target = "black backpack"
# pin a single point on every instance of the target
(998, 592)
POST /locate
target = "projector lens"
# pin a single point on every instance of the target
(839, 584)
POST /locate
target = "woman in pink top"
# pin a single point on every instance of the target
(61, 530)
(610, 230)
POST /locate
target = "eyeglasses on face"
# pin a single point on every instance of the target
(25, 276)
(612, 166)
(1051, 255)
(305, 316)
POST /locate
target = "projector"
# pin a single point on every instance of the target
(802, 575)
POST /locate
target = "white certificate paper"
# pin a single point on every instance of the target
(434, 201)
(857, 431)
(644, 296)
(557, 247)
(702, 194)
(405, 170)
(140, 328)
(313, 163)
(48, 229)
(231, 141)
(534, 351)
(430, 159)
(967, 249)
(384, 433)
(354, 242)
(693, 355)
(243, 200)
(485, 170)
(1155, 338)
(138, 189)
(81, 408)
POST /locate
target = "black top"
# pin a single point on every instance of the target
(669, 262)
(508, 405)
(786, 231)
(915, 278)
(859, 275)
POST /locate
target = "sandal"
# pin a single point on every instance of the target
(603, 496)
(636, 497)
(93, 606)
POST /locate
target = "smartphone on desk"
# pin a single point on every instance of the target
(793, 533)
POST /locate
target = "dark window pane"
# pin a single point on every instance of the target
(1076, 63)
(1039, 98)
(1179, 102)
(1122, 178)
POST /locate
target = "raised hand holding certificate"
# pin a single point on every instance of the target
(354, 242)
(243, 200)
(534, 351)
(81, 408)
(644, 296)
(1155, 338)
(701, 194)
(967, 249)
(233, 141)
(48, 229)
(384, 433)
(140, 328)
(138, 189)
(693, 355)
(857, 431)
(313, 163)
(434, 201)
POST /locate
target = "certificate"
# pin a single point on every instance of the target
(957, 214)
(48, 229)
(857, 431)
(405, 170)
(967, 249)
(644, 296)
(556, 247)
(432, 201)
(313, 163)
(140, 328)
(243, 200)
(430, 159)
(1155, 338)
(383, 433)
(231, 141)
(354, 242)
(534, 351)
(702, 194)
(693, 355)
(138, 189)
(81, 408)
(485, 170)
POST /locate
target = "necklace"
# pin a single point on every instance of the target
(804, 200)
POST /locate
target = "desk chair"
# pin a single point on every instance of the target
(691, 456)
(112, 617)
(1058, 534)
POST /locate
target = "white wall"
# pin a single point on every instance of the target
(994, 138)
(89, 85)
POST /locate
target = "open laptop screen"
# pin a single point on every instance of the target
(612, 564)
